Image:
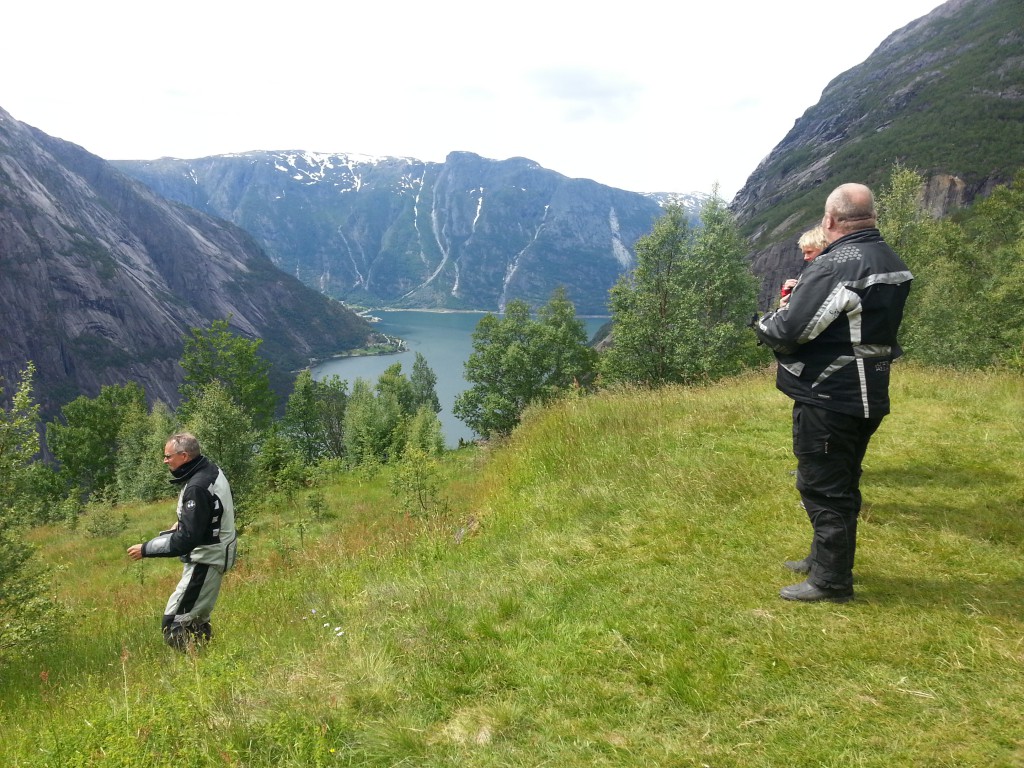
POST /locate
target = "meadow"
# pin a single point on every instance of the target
(601, 589)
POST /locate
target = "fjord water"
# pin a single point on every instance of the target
(445, 339)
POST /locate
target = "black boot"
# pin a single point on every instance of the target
(805, 592)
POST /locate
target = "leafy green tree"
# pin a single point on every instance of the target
(215, 354)
(649, 319)
(570, 360)
(424, 385)
(302, 423)
(424, 433)
(314, 417)
(19, 446)
(416, 478)
(373, 422)
(378, 420)
(964, 309)
(517, 361)
(722, 295)
(332, 400)
(681, 316)
(139, 473)
(416, 482)
(394, 383)
(85, 439)
(901, 217)
(279, 470)
(995, 227)
(26, 615)
(227, 436)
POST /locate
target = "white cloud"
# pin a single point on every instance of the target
(648, 96)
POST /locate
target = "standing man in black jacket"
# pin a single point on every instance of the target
(203, 538)
(835, 340)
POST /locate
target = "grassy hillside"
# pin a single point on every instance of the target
(603, 592)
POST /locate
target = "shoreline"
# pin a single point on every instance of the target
(443, 311)
(400, 344)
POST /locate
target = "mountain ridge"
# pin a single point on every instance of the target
(468, 233)
(103, 279)
(944, 95)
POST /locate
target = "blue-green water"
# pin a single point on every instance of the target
(445, 339)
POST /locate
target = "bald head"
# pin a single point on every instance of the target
(850, 208)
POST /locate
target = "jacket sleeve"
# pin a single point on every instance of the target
(817, 300)
(196, 509)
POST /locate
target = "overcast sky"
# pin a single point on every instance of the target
(645, 95)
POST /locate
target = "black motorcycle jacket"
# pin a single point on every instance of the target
(205, 532)
(836, 338)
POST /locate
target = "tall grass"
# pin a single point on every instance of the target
(603, 591)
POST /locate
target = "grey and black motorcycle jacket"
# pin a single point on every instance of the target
(206, 518)
(836, 339)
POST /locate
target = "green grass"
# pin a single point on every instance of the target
(603, 592)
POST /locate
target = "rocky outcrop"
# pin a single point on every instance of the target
(102, 279)
(469, 233)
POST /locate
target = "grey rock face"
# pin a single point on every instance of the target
(469, 233)
(102, 279)
(943, 95)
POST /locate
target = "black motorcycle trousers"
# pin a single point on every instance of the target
(829, 447)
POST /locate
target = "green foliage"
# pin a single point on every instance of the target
(316, 504)
(85, 440)
(517, 361)
(47, 500)
(372, 425)
(139, 473)
(424, 432)
(19, 444)
(569, 361)
(378, 421)
(392, 384)
(227, 436)
(681, 316)
(416, 482)
(215, 354)
(26, 615)
(279, 469)
(648, 314)
(103, 520)
(965, 307)
(724, 294)
(314, 418)
(900, 216)
(424, 385)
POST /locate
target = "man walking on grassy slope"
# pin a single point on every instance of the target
(203, 538)
(835, 340)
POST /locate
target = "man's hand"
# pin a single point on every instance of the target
(135, 552)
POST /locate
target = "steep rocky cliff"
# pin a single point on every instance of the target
(100, 279)
(943, 95)
(469, 233)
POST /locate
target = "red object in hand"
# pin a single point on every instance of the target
(785, 290)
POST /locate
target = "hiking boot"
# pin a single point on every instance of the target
(805, 592)
(188, 637)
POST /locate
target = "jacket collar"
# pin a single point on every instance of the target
(869, 235)
(189, 468)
